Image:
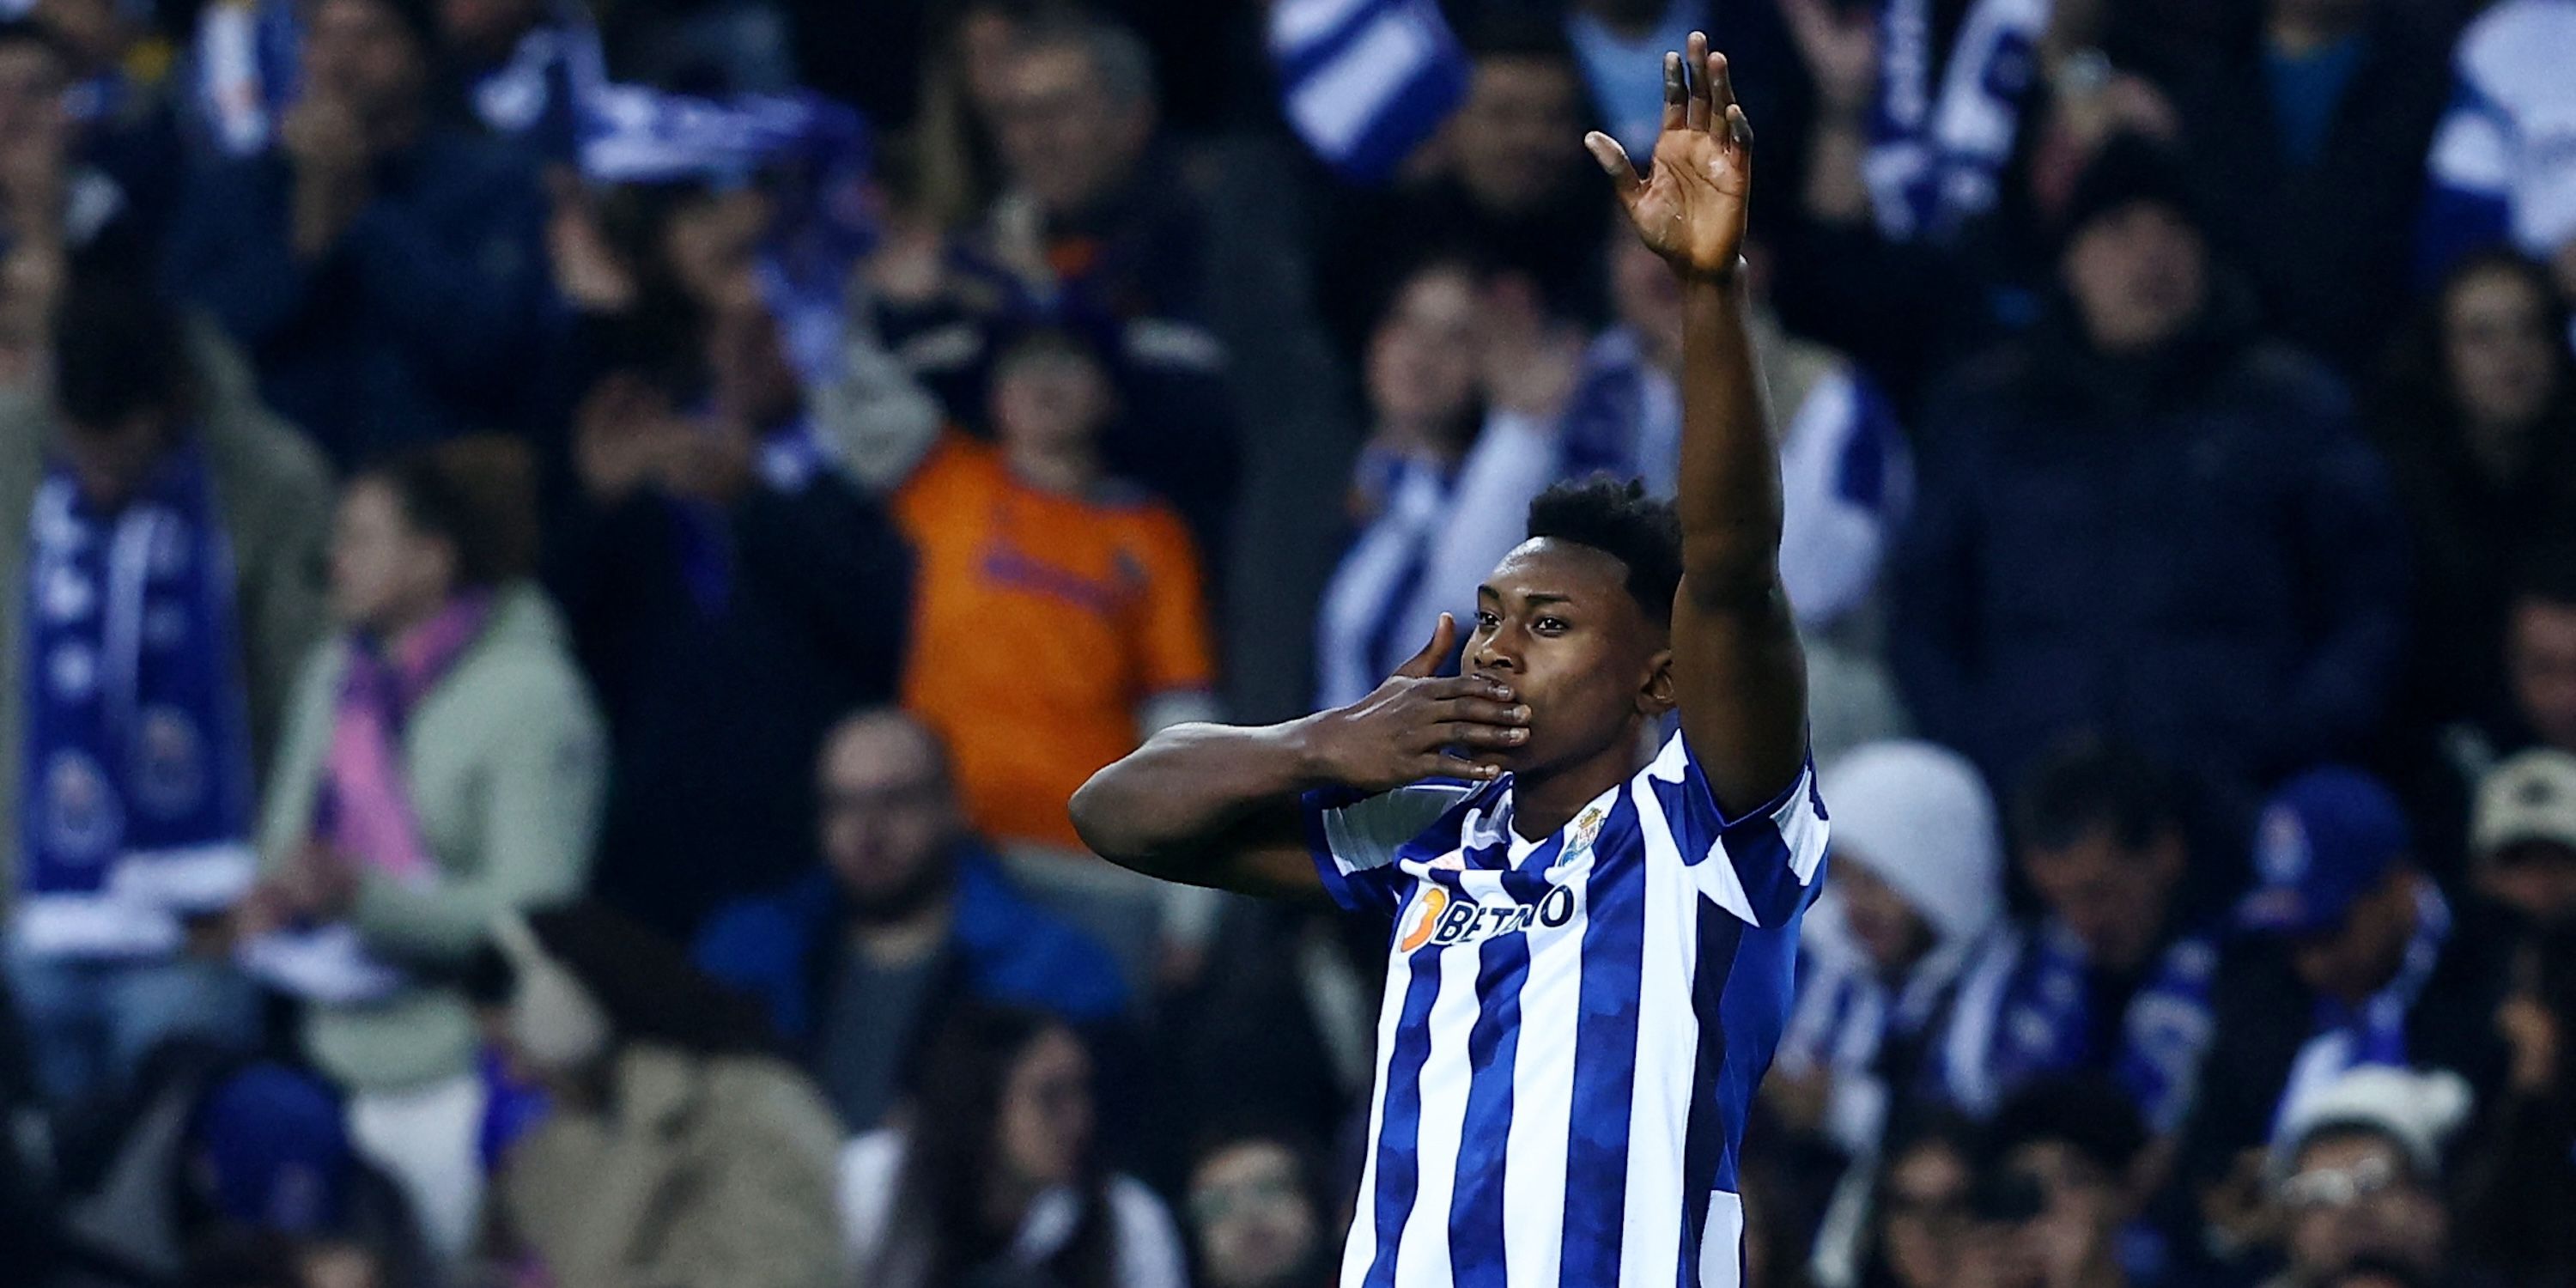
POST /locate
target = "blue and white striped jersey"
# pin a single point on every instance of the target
(1573, 1026)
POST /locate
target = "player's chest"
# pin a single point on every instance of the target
(1465, 898)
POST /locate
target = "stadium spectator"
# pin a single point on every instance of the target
(996, 1177)
(2354, 960)
(2358, 1176)
(55, 207)
(1057, 621)
(910, 917)
(1506, 179)
(120, 98)
(2053, 1194)
(2113, 980)
(2540, 652)
(1919, 1206)
(2479, 423)
(2522, 838)
(1256, 1219)
(2518, 1179)
(386, 274)
(2502, 169)
(442, 764)
(1909, 910)
(676, 1148)
(149, 491)
(2239, 612)
(2290, 129)
(730, 588)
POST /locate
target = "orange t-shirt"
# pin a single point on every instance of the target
(1040, 623)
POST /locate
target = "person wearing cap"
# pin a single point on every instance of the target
(387, 275)
(2523, 837)
(2349, 957)
(2357, 1174)
(2145, 520)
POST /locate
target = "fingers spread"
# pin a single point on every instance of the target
(1614, 162)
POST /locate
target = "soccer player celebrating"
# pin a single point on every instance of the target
(1591, 957)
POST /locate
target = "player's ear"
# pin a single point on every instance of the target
(1655, 697)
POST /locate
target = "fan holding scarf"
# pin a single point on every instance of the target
(443, 764)
(165, 535)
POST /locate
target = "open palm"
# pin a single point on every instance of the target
(1689, 207)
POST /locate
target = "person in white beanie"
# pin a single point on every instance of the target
(1902, 957)
(2357, 1170)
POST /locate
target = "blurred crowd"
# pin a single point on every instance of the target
(564, 563)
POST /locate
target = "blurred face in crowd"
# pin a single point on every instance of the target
(32, 79)
(1520, 136)
(486, 29)
(2541, 656)
(94, 29)
(2536, 879)
(1923, 1211)
(1065, 135)
(987, 39)
(1555, 623)
(889, 813)
(2113, 897)
(2081, 1210)
(1046, 1111)
(1421, 359)
(386, 574)
(1881, 921)
(2502, 360)
(2138, 274)
(1050, 398)
(1648, 297)
(360, 52)
(2358, 957)
(1255, 1225)
(2352, 1195)
(111, 461)
(712, 247)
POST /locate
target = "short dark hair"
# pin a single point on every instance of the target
(2094, 787)
(1119, 58)
(478, 493)
(2548, 575)
(120, 348)
(2088, 1113)
(1620, 520)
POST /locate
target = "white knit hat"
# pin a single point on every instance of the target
(2417, 1110)
(1918, 816)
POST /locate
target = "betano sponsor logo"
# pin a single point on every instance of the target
(1441, 918)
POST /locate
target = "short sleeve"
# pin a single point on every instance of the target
(1353, 839)
(1762, 865)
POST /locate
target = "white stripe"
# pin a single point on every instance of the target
(88, 925)
(1423, 1255)
(1804, 831)
(1650, 1243)
(1333, 107)
(1362, 1244)
(1721, 1240)
(1542, 1126)
(189, 878)
(1718, 880)
(1294, 24)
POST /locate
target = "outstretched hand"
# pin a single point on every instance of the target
(1689, 207)
(1417, 725)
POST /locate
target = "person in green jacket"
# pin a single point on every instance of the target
(443, 764)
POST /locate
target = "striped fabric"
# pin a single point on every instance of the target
(1364, 82)
(1573, 1026)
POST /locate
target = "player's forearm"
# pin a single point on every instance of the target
(1729, 500)
(1170, 808)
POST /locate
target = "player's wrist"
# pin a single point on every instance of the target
(1306, 746)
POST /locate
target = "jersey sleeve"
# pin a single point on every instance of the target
(1354, 838)
(1762, 865)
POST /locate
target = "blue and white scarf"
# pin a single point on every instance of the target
(1624, 417)
(1626, 77)
(1936, 154)
(138, 778)
(247, 71)
(2345, 1038)
(1365, 82)
(1365, 627)
(2046, 1025)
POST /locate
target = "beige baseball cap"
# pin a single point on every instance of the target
(2529, 797)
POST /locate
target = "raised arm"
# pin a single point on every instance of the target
(1219, 805)
(1737, 669)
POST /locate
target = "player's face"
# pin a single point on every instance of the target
(1556, 623)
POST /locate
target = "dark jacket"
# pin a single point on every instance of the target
(715, 713)
(2323, 242)
(2193, 552)
(423, 320)
(785, 948)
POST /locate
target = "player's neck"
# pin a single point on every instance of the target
(1544, 803)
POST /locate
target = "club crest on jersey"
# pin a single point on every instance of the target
(1441, 917)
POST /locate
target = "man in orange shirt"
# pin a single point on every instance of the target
(1058, 616)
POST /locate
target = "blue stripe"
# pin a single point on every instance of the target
(1476, 1209)
(1605, 1053)
(1399, 1164)
(1753, 1010)
(1715, 1120)
(1761, 858)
